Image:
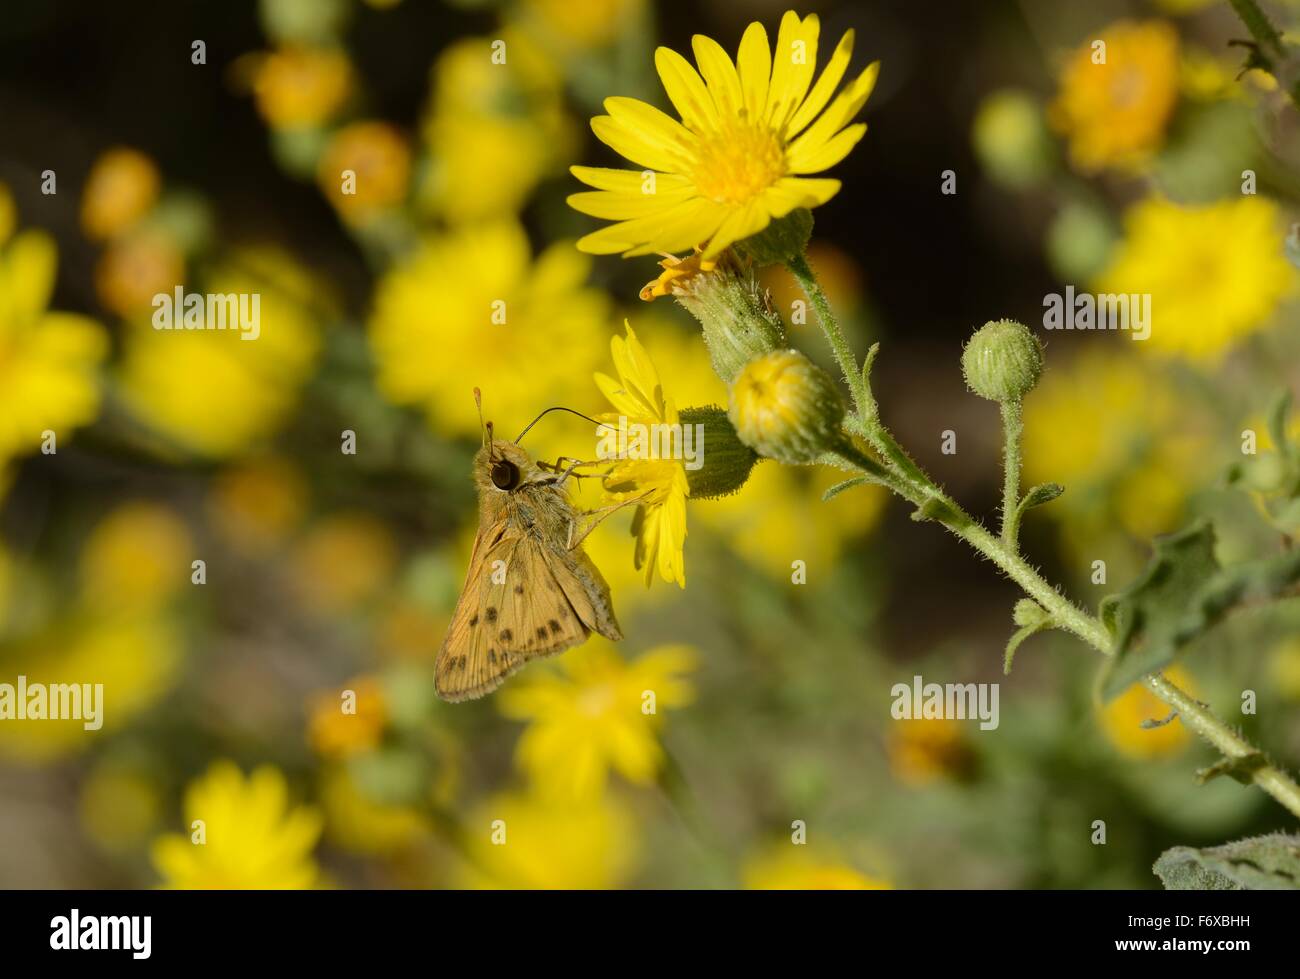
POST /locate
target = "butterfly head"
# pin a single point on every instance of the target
(503, 467)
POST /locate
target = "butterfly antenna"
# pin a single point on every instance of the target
(559, 408)
(478, 402)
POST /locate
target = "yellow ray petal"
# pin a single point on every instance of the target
(742, 223)
(841, 111)
(754, 62)
(828, 154)
(620, 207)
(793, 64)
(686, 90)
(789, 193)
(628, 181)
(825, 87)
(720, 76)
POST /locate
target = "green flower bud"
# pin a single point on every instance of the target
(1003, 361)
(727, 460)
(781, 239)
(1011, 139)
(787, 408)
(736, 313)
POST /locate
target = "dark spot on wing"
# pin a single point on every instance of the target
(492, 655)
(491, 613)
(519, 589)
(473, 619)
(555, 626)
(541, 632)
(506, 635)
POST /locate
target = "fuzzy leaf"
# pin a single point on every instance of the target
(839, 488)
(1260, 863)
(1181, 594)
(1038, 495)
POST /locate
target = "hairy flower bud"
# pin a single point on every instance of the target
(787, 408)
(727, 461)
(736, 313)
(1002, 361)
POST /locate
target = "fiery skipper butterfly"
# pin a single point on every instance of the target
(531, 590)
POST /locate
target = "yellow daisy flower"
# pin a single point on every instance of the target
(786, 867)
(252, 837)
(594, 713)
(1115, 101)
(1215, 272)
(659, 484)
(750, 133)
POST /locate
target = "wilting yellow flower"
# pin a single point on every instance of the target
(1215, 272)
(594, 713)
(296, 87)
(136, 267)
(494, 131)
(923, 750)
(256, 505)
(379, 159)
(213, 391)
(1114, 113)
(535, 843)
(675, 273)
(1113, 431)
(254, 839)
(136, 559)
(1121, 720)
(343, 562)
(475, 296)
(122, 187)
(787, 867)
(48, 360)
(749, 135)
(337, 734)
(659, 485)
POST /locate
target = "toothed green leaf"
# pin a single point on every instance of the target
(1260, 863)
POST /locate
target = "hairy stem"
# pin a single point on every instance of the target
(1012, 427)
(1270, 52)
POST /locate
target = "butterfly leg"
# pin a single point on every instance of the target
(598, 517)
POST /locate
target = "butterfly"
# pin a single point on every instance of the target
(531, 590)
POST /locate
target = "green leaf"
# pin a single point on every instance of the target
(1277, 424)
(1181, 594)
(1043, 493)
(1260, 863)
(839, 488)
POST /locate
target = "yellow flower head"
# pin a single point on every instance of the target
(787, 867)
(1215, 272)
(923, 750)
(252, 837)
(1121, 720)
(1117, 94)
(597, 712)
(750, 132)
(378, 157)
(337, 733)
(136, 559)
(476, 296)
(256, 505)
(122, 187)
(343, 562)
(298, 86)
(48, 360)
(659, 484)
(136, 267)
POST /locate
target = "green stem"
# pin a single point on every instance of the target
(1270, 52)
(1012, 427)
(802, 271)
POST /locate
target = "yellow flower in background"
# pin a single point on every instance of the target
(475, 296)
(494, 131)
(213, 392)
(8, 214)
(659, 485)
(343, 562)
(1114, 113)
(750, 134)
(136, 559)
(296, 87)
(256, 505)
(254, 838)
(787, 867)
(595, 713)
(1121, 720)
(120, 806)
(335, 733)
(379, 158)
(589, 844)
(1113, 431)
(924, 750)
(136, 267)
(360, 824)
(1284, 668)
(49, 360)
(122, 188)
(1215, 272)
(573, 27)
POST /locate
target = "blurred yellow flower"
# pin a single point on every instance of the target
(787, 867)
(297, 87)
(749, 135)
(840, 277)
(1117, 94)
(534, 843)
(48, 360)
(360, 824)
(212, 391)
(121, 189)
(254, 506)
(119, 807)
(136, 267)
(474, 296)
(1114, 432)
(8, 214)
(659, 485)
(494, 131)
(1121, 720)
(135, 559)
(340, 723)
(343, 562)
(1284, 668)
(596, 712)
(571, 26)
(252, 837)
(378, 160)
(924, 750)
(1215, 272)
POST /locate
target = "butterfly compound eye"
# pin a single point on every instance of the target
(505, 475)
